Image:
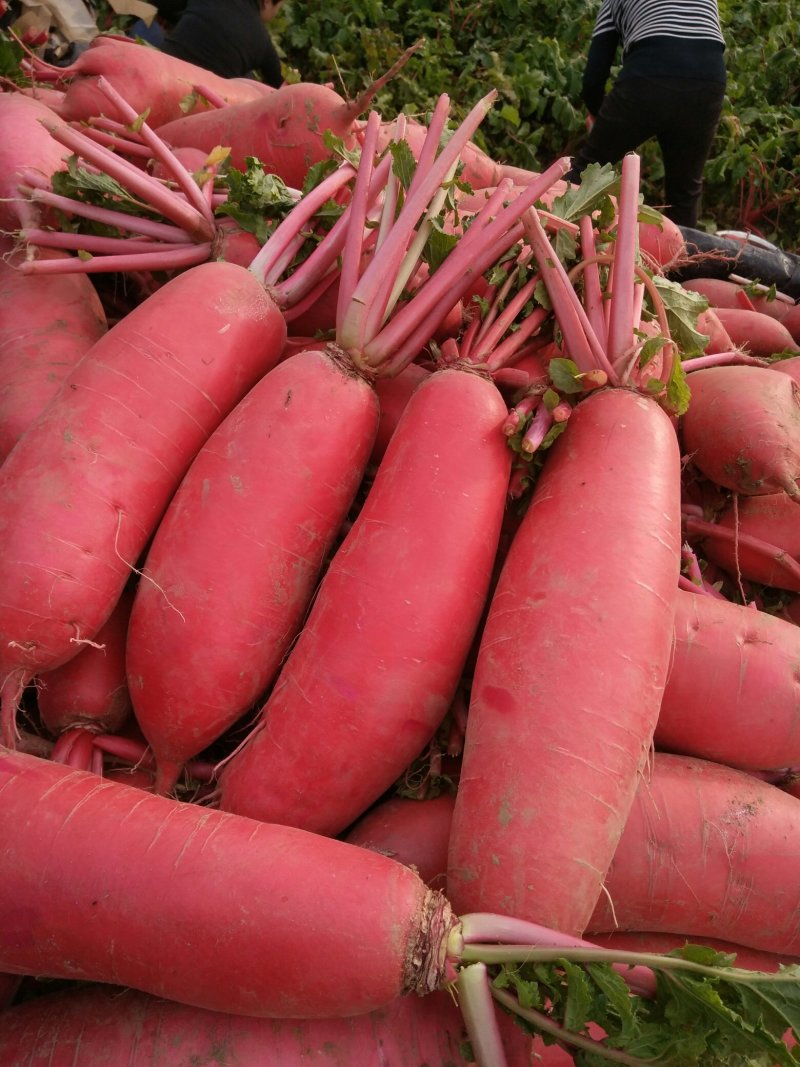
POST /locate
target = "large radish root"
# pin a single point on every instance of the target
(742, 429)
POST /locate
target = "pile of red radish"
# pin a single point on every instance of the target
(338, 672)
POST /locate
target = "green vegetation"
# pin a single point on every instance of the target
(533, 51)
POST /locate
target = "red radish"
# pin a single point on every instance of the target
(759, 334)
(708, 851)
(724, 293)
(732, 691)
(97, 1027)
(405, 591)
(790, 366)
(792, 322)
(742, 429)
(52, 98)
(770, 519)
(136, 777)
(107, 883)
(24, 145)
(394, 395)
(83, 491)
(551, 701)
(708, 323)
(285, 130)
(661, 243)
(48, 324)
(414, 832)
(720, 292)
(150, 80)
(90, 689)
(544, 686)
(206, 640)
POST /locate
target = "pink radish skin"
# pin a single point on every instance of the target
(790, 366)
(661, 243)
(571, 669)
(414, 832)
(100, 1027)
(757, 333)
(25, 145)
(708, 851)
(719, 340)
(284, 130)
(772, 519)
(96, 1027)
(106, 883)
(47, 325)
(394, 395)
(147, 78)
(90, 690)
(404, 593)
(206, 639)
(732, 693)
(742, 429)
(723, 293)
(792, 322)
(84, 489)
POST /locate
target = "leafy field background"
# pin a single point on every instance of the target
(532, 52)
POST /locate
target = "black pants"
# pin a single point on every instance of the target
(682, 114)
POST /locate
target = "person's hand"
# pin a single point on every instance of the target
(269, 9)
(589, 122)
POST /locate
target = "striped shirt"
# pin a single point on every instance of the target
(634, 20)
(659, 38)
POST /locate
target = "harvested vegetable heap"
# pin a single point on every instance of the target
(398, 621)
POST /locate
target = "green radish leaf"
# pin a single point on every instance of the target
(564, 375)
(257, 200)
(579, 997)
(566, 246)
(683, 307)
(650, 349)
(76, 180)
(316, 173)
(705, 1012)
(650, 215)
(337, 147)
(98, 189)
(597, 184)
(403, 163)
(679, 393)
(438, 246)
(10, 55)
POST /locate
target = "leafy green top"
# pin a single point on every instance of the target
(706, 1012)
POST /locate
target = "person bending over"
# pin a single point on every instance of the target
(670, 86)
(230, 39)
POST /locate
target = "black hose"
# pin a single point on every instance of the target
(717, 257)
